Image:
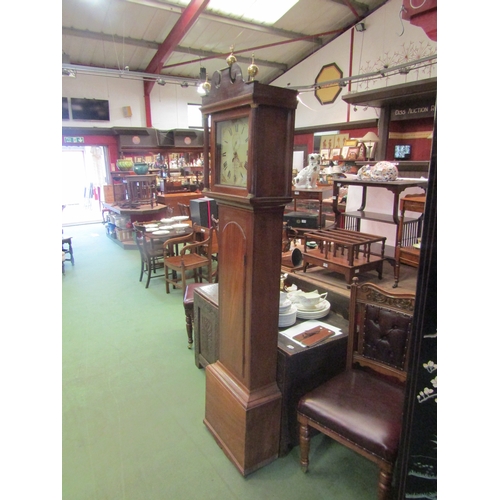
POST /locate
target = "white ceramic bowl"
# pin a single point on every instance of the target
(288, 318)
(167, 221)
(285, 306)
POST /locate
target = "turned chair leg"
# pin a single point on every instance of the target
(150, 263)
(304, 439)
(189, 327)
(384, 484)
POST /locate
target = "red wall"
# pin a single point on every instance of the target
(420, 148)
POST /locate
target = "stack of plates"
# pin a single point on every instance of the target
(287, 314)
(167, 221)
(320, 310)
(180, 218)
(180, 228)
(160, 233)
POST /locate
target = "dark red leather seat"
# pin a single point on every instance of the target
(362, 408)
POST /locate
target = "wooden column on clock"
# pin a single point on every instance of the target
(251, 154)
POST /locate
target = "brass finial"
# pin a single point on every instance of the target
(253, 69)
(206, 87)
(231, 59)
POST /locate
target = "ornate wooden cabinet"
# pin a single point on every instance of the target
(251, 149)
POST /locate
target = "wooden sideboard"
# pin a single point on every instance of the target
(299, 369)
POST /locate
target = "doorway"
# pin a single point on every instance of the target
(84, 173)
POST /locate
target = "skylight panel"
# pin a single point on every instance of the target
(262, 11)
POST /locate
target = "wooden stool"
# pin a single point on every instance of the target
(189, 309)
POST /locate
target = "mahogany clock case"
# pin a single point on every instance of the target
(270, 112)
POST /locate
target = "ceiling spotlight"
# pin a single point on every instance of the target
(360, 27)
(161, 81)
(184, 85)
(355, 108)
(69, 72)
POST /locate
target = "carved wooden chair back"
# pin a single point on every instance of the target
(362, 407)
(380, 324)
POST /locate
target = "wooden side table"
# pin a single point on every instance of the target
(318, 194)
(406, 252)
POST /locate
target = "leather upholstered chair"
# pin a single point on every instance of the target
(362, 407)
(195, 255)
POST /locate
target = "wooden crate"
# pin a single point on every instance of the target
(114, 192)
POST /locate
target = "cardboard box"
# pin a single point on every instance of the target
(202, 210)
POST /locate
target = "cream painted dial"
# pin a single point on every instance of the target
(232, 136)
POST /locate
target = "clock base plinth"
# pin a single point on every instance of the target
(245, 424)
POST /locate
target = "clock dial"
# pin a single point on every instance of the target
(232, 137)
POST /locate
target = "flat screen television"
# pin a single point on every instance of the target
(65, 108)
(89, 109)
(402, 152)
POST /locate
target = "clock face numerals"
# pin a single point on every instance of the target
(232, 137)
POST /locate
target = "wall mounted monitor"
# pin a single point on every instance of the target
(89, 109)
(402, 152)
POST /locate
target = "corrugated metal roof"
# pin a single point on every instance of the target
(119, 34)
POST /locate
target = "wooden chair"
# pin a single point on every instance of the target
(362, 407)
(151, 257)
(184, 209)
(194, 256)
(67, 248)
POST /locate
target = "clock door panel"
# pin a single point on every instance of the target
(232, 283)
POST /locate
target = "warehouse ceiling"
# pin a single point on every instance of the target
(130, 38)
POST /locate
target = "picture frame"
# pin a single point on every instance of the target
(335, 153)
(362, 151)
(325, 154)
(351, 142)
(345, 151)
(352, 154)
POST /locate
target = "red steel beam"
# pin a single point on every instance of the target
(188, 17)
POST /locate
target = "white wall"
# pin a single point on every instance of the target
(387, 39)
(168, 103)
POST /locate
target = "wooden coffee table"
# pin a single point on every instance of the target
(343, 251)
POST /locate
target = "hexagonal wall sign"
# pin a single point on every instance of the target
(327, 95)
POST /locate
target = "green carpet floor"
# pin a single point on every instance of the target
(133, 399)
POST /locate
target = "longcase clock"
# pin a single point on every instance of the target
(250, 177)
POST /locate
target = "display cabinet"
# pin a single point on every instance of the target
(352, 219)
